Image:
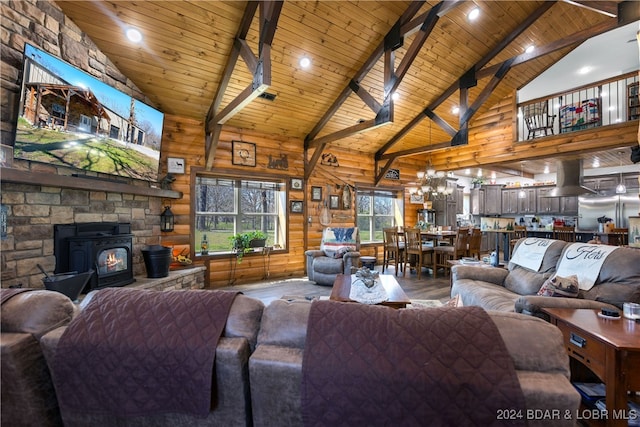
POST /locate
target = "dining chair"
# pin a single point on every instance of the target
(621, 236)
(393, 249)
(519, 231)
(568, 234)
(475, 242)
(413, 245)
(446, 253)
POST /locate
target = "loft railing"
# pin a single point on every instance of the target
(601, 103)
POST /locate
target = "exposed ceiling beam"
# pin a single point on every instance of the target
(608, 8)
(571, 40)
(429, 111)
(259, 66)
(392, 78)
(463, 82)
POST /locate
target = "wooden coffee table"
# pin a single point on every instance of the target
(609, 348)
(397, 297)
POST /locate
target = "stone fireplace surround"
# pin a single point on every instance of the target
(34, 208)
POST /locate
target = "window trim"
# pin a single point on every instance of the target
(399, 192)
(232, 174)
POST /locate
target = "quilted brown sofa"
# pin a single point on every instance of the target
(28, 397)
(233, 407)
(515, 288)
(275, 368)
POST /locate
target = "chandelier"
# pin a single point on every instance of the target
(432, 184)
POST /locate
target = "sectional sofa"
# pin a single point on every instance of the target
(258, 366)
(516, 288)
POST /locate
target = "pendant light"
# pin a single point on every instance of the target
(621, 188)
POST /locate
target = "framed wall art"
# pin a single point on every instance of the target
(334, 201)
(316, 194)
(243, 153)
(297, 183)
(175, 165)
(416, 198)
(296, 206)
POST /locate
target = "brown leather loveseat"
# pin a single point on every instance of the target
(275, 368)
(232, 406)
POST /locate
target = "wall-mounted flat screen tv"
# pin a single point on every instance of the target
(69, 118)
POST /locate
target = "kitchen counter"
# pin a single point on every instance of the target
(581, 235)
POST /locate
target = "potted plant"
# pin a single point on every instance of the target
(477, 182)
(243, 243)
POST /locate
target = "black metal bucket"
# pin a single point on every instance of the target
(157, 259)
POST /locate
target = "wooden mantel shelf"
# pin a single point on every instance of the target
(82, 183)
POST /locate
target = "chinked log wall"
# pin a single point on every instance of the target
(491, 140)
(184, 138)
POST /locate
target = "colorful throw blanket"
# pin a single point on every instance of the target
(372, 365)
(531, 252)
(585, 261)
(136, 352)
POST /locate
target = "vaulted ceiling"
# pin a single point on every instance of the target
(188, 47)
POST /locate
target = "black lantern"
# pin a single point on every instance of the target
(166, 219)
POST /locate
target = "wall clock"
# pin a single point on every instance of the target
(244, 153)
(175, 165)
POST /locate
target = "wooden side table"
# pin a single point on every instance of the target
(609, 348)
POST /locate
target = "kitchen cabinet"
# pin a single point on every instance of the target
(510, 201)
(569, 205)
(477, 201)
(528, 204)
(492, 199)
(445, 211)
(547, 205)
(459, 199)
(488, 243)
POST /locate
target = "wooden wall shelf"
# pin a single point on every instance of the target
(83, 183)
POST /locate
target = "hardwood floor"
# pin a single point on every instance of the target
(427, 288)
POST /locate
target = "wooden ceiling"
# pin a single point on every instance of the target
(186, 46)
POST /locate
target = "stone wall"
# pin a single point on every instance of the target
(33, 209)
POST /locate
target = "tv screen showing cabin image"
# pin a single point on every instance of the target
(69, 118)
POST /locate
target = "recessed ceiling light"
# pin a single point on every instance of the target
(305, 62)
(395, 96)
(584, 70)
(595, 163)
(455, 110)
(134, 35)
(473, 15)
(530, 49)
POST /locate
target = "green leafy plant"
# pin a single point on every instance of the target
(477, 182)
(243, 243)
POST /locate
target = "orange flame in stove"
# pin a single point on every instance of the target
(111, 261)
